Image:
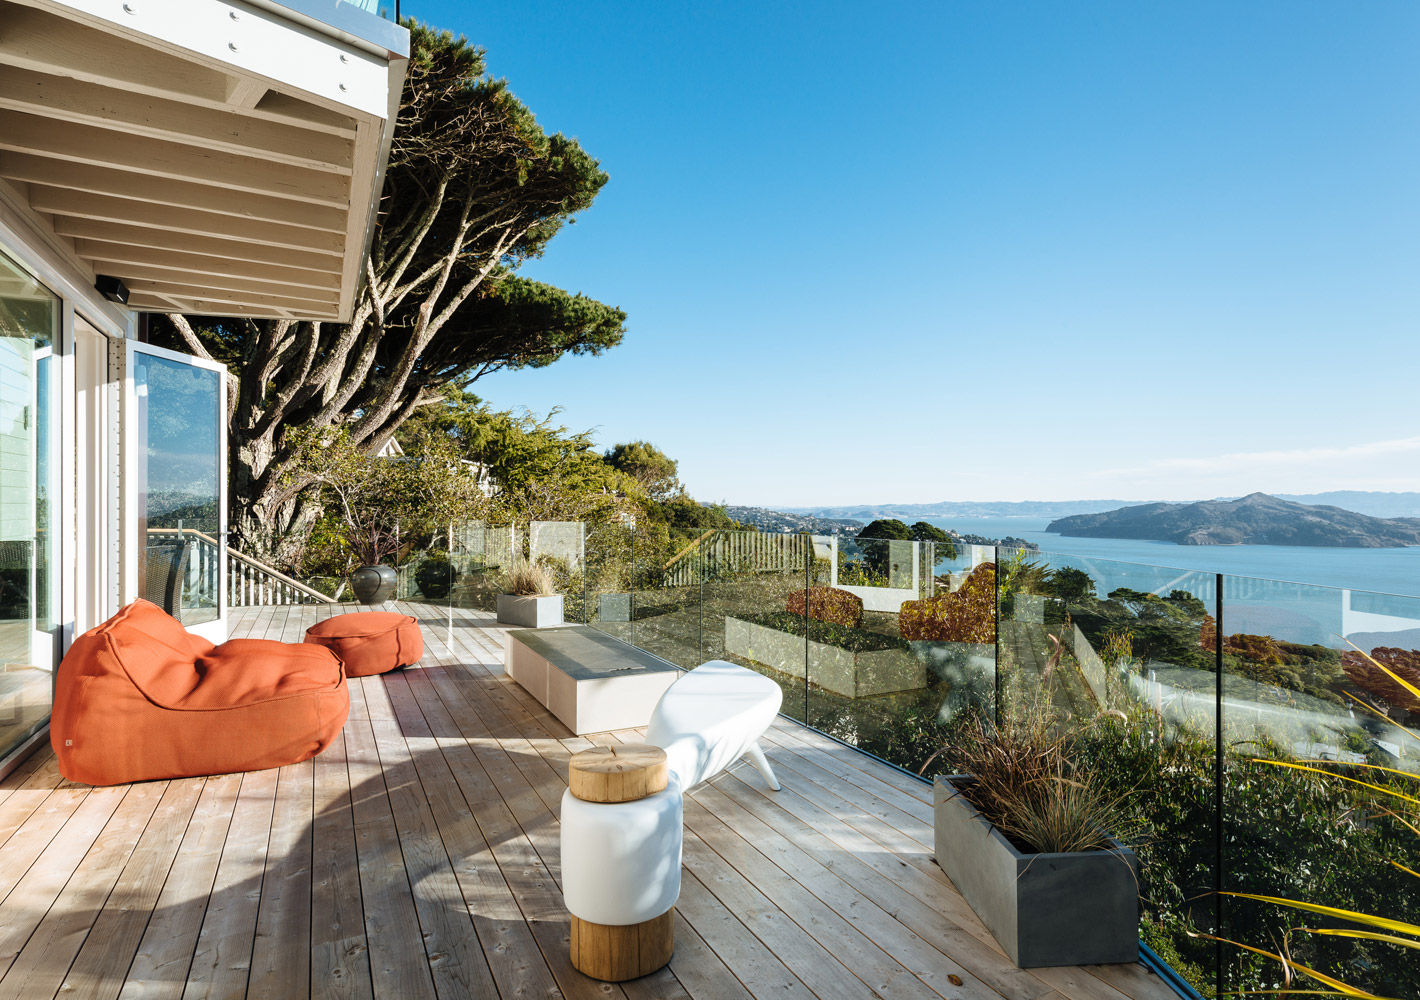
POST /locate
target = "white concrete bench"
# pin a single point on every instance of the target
(591, 681)
(621, 861)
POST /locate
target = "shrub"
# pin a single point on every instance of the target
(968, 614)
(1367, 675)
(855, 640)
(827, 604)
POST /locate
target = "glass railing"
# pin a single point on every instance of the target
(1198, 697)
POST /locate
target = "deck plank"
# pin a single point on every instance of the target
(517, 965)
(42, 964)
(340, 961)
(281, 954)
(102, 963)
(43, 881)
(221, 963)
(456, 958)
(159, 970)
(399, 966)
(419, 857)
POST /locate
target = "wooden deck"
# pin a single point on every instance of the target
(418, 858)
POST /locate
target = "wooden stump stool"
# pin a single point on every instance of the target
(609, 952)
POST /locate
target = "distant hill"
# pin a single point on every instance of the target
(1256, 519)
(777, 520)
(1363, 502)
(987, 508)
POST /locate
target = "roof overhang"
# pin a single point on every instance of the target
(220, 157)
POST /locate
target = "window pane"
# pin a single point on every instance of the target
(29, 466)
(178, 477)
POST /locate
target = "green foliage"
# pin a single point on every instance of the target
(887, 528)
(1286, 666)
(685, 517)
(946, 547)
(827, 604)
(1164, 629)
(540, 470)
(647, 465)
(1070, 584)
(380, 509)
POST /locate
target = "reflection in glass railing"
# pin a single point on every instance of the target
(1195, 695)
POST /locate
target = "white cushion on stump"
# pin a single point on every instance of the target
(621, 860)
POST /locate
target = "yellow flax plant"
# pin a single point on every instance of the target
(1395, 803)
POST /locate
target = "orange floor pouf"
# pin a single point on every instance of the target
(370, 642)
(139, 697)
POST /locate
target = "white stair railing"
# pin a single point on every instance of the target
(252, 583)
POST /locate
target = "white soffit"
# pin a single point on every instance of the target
(216, 156)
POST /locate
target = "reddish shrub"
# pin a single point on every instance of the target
(1403, 662)
(827, 604)
(968, 614)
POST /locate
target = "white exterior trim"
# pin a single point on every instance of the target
(243, 38)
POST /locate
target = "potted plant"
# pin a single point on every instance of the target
(384, 507)
(529, 601)
(1024, 836)
(435, 576)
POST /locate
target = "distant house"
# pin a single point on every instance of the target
(391, 449)
(198, 156)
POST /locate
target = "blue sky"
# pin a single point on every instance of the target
(971, 251)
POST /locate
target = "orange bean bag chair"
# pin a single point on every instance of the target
(139, 697)
(370, 642)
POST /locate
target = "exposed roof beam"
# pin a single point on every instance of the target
(208, 297)
(153, 303)
(120, 253)
(176, 121)
(205, 286)
(82, 205)
(367, 145)
(314, 287)
(279, 107)
(138, 236)
(178, 194)
(170, 160)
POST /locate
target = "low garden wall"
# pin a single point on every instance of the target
(833, 668)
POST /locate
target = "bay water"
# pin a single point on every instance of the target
(1301, 593)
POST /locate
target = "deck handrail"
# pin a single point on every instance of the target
(250, 581)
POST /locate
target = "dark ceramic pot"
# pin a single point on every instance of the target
(374, 584)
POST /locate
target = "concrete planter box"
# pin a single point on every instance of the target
(1044, 909)
(530, 612)
(613, 607)
(853, 675)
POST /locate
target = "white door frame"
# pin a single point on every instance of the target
(94, 445)
(216, 630)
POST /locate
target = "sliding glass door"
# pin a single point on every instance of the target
(29, 502)
(175, 486)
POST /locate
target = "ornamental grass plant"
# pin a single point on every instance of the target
(1026, 783)
(529, 579)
